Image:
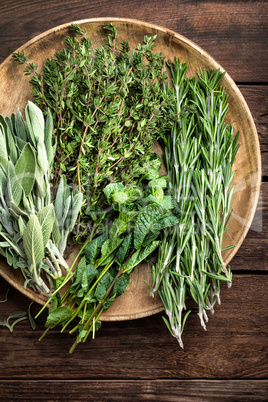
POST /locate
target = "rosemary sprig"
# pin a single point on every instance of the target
(199, 153)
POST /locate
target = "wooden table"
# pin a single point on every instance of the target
(139, 360)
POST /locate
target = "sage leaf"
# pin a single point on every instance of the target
(50, 150)
(13, 185)
(11, 145)
(20, 126)
(3, 148)
(33, 241)
(46, 217)
(42, 156)
(77, 201)
(25, 169)
(35, 120)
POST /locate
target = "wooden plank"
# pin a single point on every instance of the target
(138, 390)
(257, 100)
(253, 253)
(235, 41)
(235, 345)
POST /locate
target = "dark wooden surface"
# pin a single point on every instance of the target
(139, 360)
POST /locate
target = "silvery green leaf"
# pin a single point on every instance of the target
(25, 169)
(14, 188)
(20, 143)
(3, 147)
(66, 212)
(26, 204)
(20, 126)
(46, 218)
(77, 201)
(35, 120)
(59, 200)
(33, 241)
(22, 226)
(5, 217)
(4, 244)
(2, 252)
(42, 156)
(3, 182)
(56, 233)
(11, 145)
(22, 264)
(39, 179)
(48, 138)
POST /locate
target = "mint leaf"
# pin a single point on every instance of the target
(58, 316)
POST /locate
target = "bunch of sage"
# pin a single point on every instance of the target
(34, 226)
(199, 153)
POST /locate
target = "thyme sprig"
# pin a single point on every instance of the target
(108, 107)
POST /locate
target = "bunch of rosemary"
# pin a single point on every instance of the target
(34, 226)
(109, 107)
(199, 153)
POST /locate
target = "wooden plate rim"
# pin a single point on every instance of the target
(36, 297)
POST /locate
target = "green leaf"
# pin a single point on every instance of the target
(123, 250)
(158, 183)
(25, 169)
(119, 196)
(3, 148)
(77, 201)
(59, 316)
(48, 138)
(46, 217)
(35, 121)
(33, 241)
(13, 184)
(11, 145)
(39, 178)
(103, 286)
(149, 216)
(59, 200)
(111, 188)
(42, 159)
(93, 248)
(20, 127)
(31, 319)
(109, 247)
(140, 256)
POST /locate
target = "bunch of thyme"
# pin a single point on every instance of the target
(108, 108)
(199, 153)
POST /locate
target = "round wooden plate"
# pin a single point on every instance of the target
(15, 92)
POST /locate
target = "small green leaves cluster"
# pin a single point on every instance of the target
(107, 260)
(199, 153)
(108, 106)
(30, 231)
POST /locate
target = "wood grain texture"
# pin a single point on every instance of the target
(235, 346)
(233, 32)
(140, 390)
(15, 89)
(253, 254)
(139, 360)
